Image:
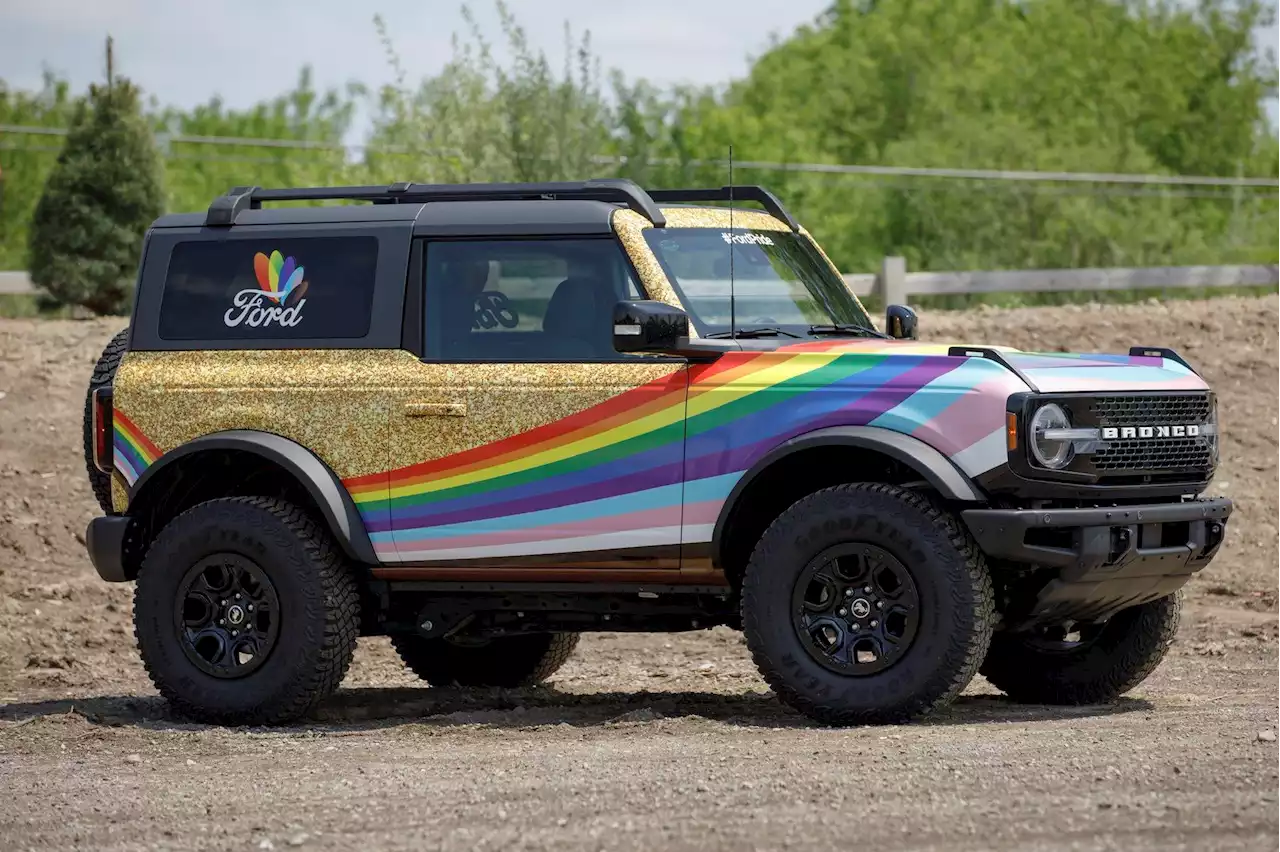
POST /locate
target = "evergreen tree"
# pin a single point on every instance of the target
(98, 201)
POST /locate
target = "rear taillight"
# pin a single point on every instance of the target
(102, 450)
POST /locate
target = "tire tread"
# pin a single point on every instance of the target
(1140, 643)
(334, 582)
(104, 372)
(972, 647)
(440, 663)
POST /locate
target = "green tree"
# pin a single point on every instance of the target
(480, 119)
(311, 124)
(26, 159)
(1146, 86)
(1152, 86)
(98, 201)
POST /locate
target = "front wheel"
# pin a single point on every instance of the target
(245, 612)
(866, 603)
(1086, 664)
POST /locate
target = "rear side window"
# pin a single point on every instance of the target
(269, 289)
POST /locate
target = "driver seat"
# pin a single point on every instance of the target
(577, 320)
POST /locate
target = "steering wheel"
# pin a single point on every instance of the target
(493, 309)
(769, 320)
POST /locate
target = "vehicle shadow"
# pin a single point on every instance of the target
(369, 708)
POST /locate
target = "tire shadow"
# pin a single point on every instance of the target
(370, 708)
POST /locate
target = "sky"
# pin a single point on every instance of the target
(184, 51)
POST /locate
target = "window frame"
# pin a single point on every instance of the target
(415, 335)
(386, 310)
(687, 303)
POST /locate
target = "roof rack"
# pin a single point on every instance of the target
(226, 208)
(757, 194)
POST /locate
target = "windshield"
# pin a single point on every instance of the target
(779, 279)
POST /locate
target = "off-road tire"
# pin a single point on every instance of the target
(318, 600)
(104, 372)
(1127, 649)
(949, 572)
(507, 661)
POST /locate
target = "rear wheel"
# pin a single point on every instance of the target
(104, 372)
(245, 612)
(1088, 664)
(866, 603)
(507, 661)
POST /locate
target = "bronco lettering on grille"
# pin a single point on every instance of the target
(1123, 432)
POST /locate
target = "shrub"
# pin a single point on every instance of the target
(100, 197)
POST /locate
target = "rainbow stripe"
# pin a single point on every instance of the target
(654, 465)
(1058, 372)
(133, 451)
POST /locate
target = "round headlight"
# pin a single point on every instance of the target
(1054, 454)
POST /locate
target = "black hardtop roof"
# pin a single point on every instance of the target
(482, 203)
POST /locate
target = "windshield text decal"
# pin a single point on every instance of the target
(747, 239)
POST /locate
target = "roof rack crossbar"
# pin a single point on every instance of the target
(225, 209)
(758, 194)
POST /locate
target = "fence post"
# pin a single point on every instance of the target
(892, 280)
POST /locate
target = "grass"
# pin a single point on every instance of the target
(29, 305)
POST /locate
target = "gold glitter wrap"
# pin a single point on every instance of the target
(502, 400)
(352, 407)
(630, 227)
(119, 493)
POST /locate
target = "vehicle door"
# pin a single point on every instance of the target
(523, 445)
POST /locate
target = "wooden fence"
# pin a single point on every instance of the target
(895, 285)
(15, 282)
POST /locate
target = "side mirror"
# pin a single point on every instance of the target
(648, 326)
(900, 322)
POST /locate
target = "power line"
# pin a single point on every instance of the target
(818, 168)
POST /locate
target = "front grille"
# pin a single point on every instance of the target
(1147, 410)
(1162, 454)
(1152, 455)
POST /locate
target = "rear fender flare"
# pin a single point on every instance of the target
(326, 490)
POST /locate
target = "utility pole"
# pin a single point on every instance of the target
(110, 64)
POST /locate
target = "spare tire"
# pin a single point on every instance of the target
(104, 372)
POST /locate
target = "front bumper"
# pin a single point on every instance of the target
(105, 542)
(1103, 559)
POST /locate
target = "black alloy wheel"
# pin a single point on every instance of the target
(246, 612)
(867, 603)
(856, 609)
(227, 615)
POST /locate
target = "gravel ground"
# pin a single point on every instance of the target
(641, 741)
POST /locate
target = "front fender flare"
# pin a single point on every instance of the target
(326, 490)
(935, 468)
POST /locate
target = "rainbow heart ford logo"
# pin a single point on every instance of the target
(278, 298)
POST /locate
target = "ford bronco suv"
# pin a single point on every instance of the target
(484, 419)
